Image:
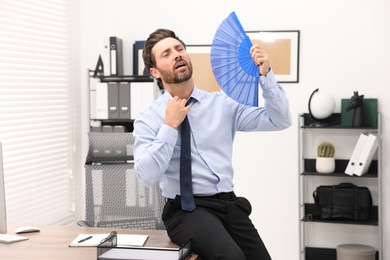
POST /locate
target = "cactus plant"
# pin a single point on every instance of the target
(325, 149)
(325, 162)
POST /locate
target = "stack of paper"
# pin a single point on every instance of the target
(151, 254)
(148, 253)
(362, 155)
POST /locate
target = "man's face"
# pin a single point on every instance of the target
(173, 64)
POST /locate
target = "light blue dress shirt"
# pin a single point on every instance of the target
(214, 120)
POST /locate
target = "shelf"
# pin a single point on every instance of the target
(332, 122)
(124, 78)
(128, 124)
(316, 253)
(337, 126)
(113, 121)
(119, 96)
(341, 165)
(312, 211)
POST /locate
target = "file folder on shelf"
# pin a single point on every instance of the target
(366, 155)
(138, 65)
(109, 250)
(101, 101)
(113, 100)
(350, 170)
(124, 100)
(105, 55)
(116, 56)
(141, 94)
(362, 155)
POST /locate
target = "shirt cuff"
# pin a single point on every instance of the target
(168, 134)
(269, 81)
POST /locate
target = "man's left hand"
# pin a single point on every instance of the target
(260, 57)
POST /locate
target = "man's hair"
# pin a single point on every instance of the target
(153, 39)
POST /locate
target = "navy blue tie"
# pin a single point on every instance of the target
(187, 196)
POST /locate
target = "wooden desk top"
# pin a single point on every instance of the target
(53, 243)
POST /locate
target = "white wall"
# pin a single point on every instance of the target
(344, 47)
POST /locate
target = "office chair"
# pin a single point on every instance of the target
(114, 195)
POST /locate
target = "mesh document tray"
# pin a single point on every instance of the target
(110, 147)
(109, 250)
(116, 198)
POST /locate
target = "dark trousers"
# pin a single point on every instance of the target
(219, 228)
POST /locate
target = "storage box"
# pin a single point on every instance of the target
(355, 252)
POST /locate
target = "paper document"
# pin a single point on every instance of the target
(95, 239)
(148, 254)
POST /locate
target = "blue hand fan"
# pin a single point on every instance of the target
(235, 71)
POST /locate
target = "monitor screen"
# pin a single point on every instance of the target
(3, 213)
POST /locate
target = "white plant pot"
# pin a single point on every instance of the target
(325, 164)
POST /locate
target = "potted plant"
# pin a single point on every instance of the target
(325, 162)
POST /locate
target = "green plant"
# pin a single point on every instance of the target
(325, 149)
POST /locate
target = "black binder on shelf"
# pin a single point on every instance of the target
(116, 56)
(138, 66)
(108, 250)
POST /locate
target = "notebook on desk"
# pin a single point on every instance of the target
(124, 240)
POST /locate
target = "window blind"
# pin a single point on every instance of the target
(36, 111)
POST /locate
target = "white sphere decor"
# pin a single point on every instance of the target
(321, 104)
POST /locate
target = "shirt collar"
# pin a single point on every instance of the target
(195, 95)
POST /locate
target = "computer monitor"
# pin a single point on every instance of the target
(4, 237)
(3, 213)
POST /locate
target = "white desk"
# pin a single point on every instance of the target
(52, 243)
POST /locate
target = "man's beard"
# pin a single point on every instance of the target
(183, 78)
(172, 78)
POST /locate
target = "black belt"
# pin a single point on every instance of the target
(220, 196)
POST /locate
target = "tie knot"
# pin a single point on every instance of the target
(190, 101)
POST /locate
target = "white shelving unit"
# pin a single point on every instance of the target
(319, 238)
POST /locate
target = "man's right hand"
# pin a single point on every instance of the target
(176, 111)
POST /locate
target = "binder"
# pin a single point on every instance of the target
(101, 101)
(106, 128)
(116, 56)
(106, 56)
(124, 100)
(118, 129)
(366, 155)
(113, 100)
(141, 94)
(350, 170)
(138, 65)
